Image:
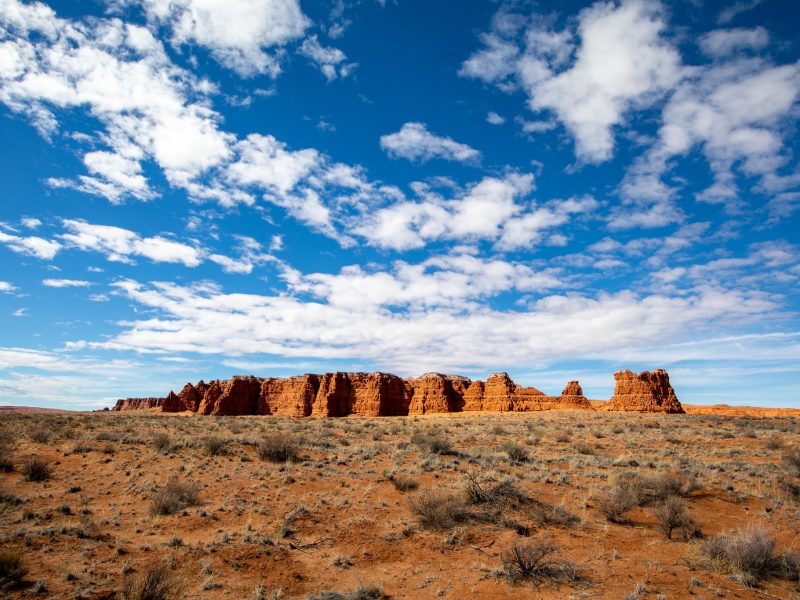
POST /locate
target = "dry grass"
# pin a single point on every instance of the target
(11, 569)
(36, 469)
(279, 447)
(535, 561)
(156, 583)
(174, 497)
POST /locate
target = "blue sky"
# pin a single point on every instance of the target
(194, 189)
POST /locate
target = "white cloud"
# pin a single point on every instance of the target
(32, 245)
(30, 222)
(494, 119)
(491, 209)
(415, 142)
(327, 59)
(6, 287)
(20, 312)
(237, 33)
(62, 283)
(733, 10)
(423, 337)
(723, 42)
(120, 244)
(732, 112)
(622, 63)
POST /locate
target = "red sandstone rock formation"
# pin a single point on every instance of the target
(138, 403)
(645, 392)
(289, 396)
(383, 394)
(363, 394)
(437, 393)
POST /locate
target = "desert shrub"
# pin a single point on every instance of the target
(674, 484)
(6, 462)
(616, 502)
(36, 469)
(634, 484)
(214, 446)
(9, 499)
(773, 441)
(11, 568)
(278, 447)
(503, 491)
(40, 436)
(403, 483)
(516, 453)
(437, 510)
(672, 514)
(162, 442)
(747, 553)
(432, 442)
(368, 592)
(157, 583)
(554, 515)
(791, 459)
(534, 561)
(585, 449)
(174, 497)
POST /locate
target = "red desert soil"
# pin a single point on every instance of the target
(32, 409)
(341, 514)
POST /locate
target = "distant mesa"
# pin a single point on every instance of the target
(383, 394)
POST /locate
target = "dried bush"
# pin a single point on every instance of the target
(6, 462)
(773, 441)
(278, 447)
(403, 483)
(674, 484)
(433, 443)
(40, 436)
(616, 502)
(516, 453)
(214, 446)
(791, 460)
(36, 469)
(504, 491)
(672, 514)
(369, 592)
(533, 561)
(11, 568)
(157, 583)
(162, 442)
(747, 553)
(437, 510)
(174, 497)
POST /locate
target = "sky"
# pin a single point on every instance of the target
(201, 188)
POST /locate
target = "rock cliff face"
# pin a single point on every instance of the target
(138, 403)
(645, 392)
(383, 394)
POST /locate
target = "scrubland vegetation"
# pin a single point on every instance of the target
(541, 505)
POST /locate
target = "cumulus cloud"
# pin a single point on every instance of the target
(31, 245)
(330, 61)
(723, 42)
(119, 244)
(493, 209)
(415, 142)
(63, 283)
(494, 119)
(439, 337)
(733, 112)
(6, 287)
(620, 62)
(238, 34)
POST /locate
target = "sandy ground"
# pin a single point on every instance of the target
(334, 520)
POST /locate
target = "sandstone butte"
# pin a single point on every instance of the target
(383, 394)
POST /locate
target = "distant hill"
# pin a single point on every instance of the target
(32, 409)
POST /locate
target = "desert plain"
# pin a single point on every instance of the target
(552, 504)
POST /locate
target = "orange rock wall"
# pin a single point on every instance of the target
(645, 392)
(383, 394)
(138, 403)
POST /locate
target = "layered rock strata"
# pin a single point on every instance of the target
(645, 392)
(138, 403)
(383, 394)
